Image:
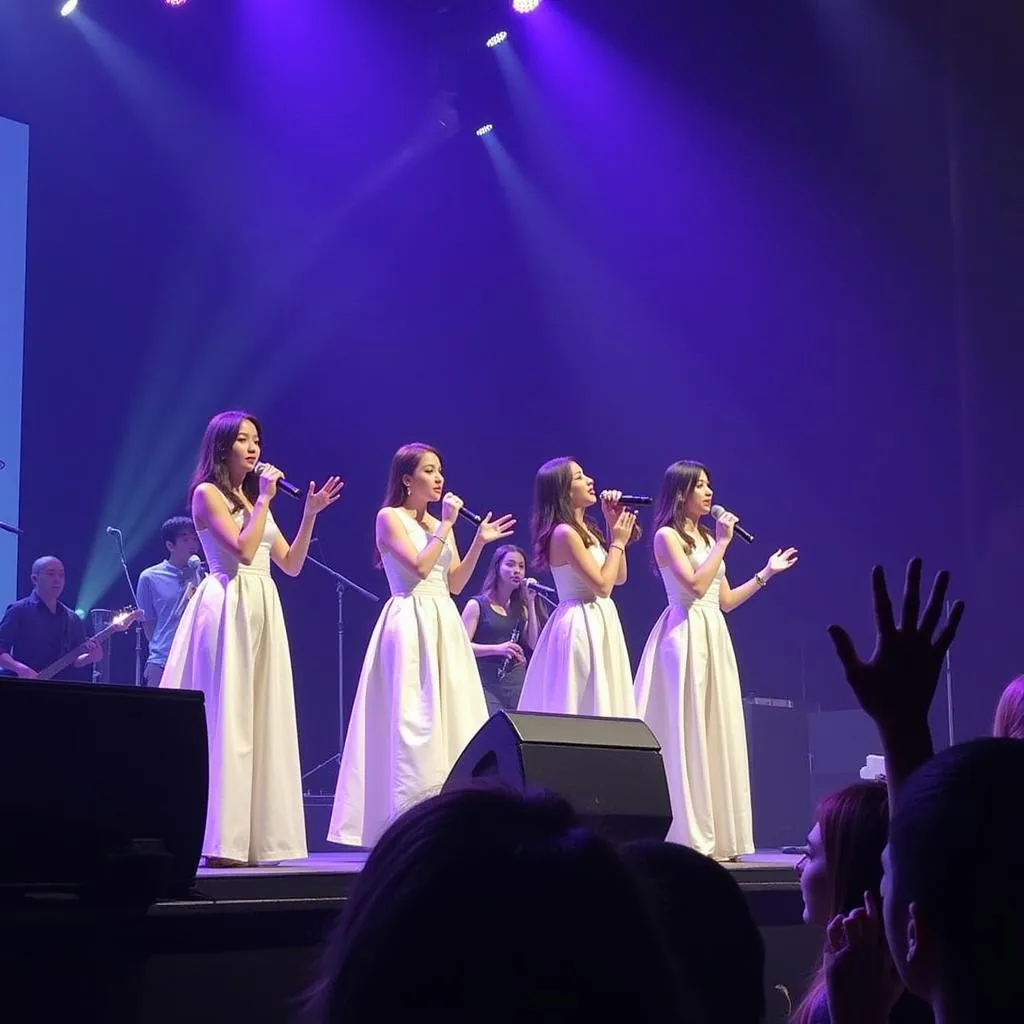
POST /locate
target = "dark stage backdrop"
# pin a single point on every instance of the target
(778, 238)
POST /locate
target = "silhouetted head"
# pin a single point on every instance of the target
(485, 904)
(708, 928)
(954, 902)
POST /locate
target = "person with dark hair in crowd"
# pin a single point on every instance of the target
(163, 591)
(1009, 720)
(842, 863)
(708, 929)
(484, 904)
(953, 910)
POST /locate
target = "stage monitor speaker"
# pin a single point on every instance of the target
(609, 769)
(103, 789)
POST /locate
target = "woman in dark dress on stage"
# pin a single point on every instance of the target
(503, 622)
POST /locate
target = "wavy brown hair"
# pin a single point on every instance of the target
(403, 463)
(1009, 721)
(676, 486)
(551, 508)
(212, 465)
(489, 587)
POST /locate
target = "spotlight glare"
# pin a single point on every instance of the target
(80, 612)
(175, 3)
(497, 39)
(67, 7)
(525, 6)
(484, 129)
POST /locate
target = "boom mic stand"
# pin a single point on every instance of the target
(116, 533)
(341, 584)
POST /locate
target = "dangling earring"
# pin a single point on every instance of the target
(408, 490)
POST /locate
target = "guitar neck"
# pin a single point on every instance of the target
(66, 659)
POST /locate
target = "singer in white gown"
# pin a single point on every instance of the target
(232, 645)
(419, 699)
(687, 682)
(580, 665)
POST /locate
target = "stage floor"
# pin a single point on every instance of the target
(328, 877)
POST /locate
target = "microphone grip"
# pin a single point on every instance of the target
(471, 516)
(636, 499)
(743, 534)
(290, 489)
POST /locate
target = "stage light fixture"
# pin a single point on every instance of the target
(68, 7)
(497, 39)
(525, 6)
(484, 129)
(175, 3)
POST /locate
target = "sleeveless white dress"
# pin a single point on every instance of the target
(688, 692)
(419, 701)
(580, 665)
(231, 643)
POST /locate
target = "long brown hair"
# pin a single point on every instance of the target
(854, 824)
(212, 465)
(1009, 720)
(551, 508)
(676, 486)
(489, 587)
(403, 463)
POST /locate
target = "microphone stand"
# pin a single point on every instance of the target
(114, 532)
(341, 584)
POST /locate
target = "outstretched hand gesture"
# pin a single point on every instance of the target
(895, 686)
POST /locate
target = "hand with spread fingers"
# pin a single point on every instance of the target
(491, 530)
(895, 686)
(318, 500)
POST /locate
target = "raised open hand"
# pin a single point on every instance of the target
(897, 684)
(495, 529)
(782, 560)
(318, 500)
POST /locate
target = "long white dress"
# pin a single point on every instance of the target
(688, 692)
(580, 665)
(232, 644)
(419, 702)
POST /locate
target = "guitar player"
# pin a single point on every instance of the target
(39, 629)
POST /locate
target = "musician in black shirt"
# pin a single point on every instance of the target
(39, 629)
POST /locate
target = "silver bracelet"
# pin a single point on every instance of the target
(761, 581)
(435, 536)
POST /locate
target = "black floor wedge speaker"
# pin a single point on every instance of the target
(609, 769)
(103, 789)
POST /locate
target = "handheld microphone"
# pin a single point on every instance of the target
(471, 516)
(636, 499)
(195, 563)
(282, 485)
(540, 587)
(717, 512)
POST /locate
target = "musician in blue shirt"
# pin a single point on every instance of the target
(38, 630)
(164, 590)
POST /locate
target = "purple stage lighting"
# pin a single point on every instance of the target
(175, 3)
(68, 7)
(484, 129)
(497, 39)
(525, 6)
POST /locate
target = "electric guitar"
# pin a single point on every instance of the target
(118, 624)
